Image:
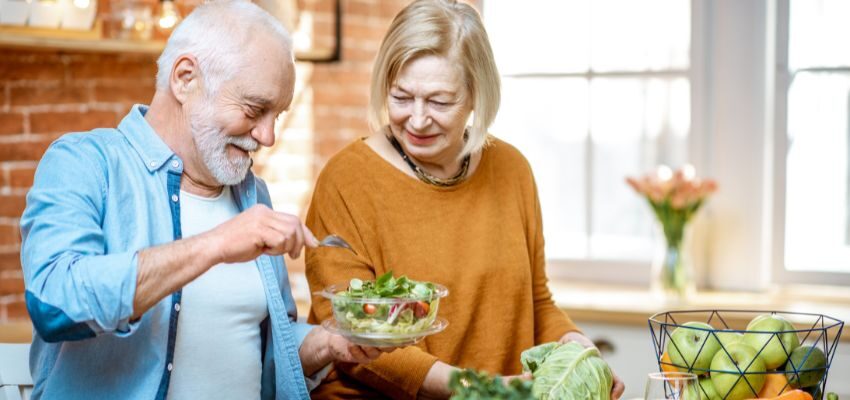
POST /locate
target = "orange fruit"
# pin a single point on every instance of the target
(774, 385)
(666, 364)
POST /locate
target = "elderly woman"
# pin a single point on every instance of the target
(434, 199)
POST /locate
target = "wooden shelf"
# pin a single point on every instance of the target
(93, 42)
(67, 40)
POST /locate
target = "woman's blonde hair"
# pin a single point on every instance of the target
(444, 28)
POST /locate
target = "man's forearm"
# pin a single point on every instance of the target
(164, 269)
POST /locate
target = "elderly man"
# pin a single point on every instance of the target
(153, 263)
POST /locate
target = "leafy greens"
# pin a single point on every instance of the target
(468, 384)
(567, 371)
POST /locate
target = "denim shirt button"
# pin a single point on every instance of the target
(169, 367)
(177, 307)
(152, 163)
(174, 198)
(175, 164)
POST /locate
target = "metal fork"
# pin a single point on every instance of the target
(335, 241)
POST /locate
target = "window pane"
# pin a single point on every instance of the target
(539, 36)
(546, 119)
(636, 124)
(628, 35)
(816, 209)
(818, 33)
(637, 121)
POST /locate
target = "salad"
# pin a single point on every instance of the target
(387, 305)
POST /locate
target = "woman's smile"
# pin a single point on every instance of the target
(418, 139)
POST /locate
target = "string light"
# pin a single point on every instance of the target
(169, 17)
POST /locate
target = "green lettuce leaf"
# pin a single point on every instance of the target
(567, 371)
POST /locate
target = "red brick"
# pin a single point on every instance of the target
(389, 9)
(21, 177)
(38, 68)
(340, 96)
(9, 234)
(329, 147)
(363, 31)
(342, 76)
(61, 122)
(17, 311)
(130, 92)
(12, 205)
(58, 94)
(361, 7)
(11, 123)
(24, 150)
(351, 53)
(10, 261)
(11, 286)
(110, 67)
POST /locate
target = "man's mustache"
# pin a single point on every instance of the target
(244, 142)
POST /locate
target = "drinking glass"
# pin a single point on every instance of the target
(672, 386)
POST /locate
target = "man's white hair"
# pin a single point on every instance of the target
(217, 34)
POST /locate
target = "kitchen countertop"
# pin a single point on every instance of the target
(629, 305)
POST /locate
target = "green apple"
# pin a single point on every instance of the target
(810, 364)
(727, 338)
(692, 347)
(707, 391)
(772, 335)
(741, 378)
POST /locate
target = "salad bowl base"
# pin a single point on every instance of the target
(388, 339)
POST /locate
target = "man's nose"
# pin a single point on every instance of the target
(263, 132)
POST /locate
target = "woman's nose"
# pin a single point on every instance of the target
(419, 118)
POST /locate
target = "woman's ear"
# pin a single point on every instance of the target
(185, 77)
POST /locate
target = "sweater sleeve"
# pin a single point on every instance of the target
(550, 322)
(398, 374)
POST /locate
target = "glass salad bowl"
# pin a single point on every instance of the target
(387, 312)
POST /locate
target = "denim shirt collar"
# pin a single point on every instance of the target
(151, 148)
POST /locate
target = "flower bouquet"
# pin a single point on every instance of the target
(674, 196)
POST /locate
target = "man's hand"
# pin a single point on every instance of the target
(321, 348)
(619, 387)
(256, 231)
(344, 351)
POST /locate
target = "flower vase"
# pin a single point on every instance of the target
(672, 268)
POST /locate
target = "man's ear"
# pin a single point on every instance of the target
(185, 77)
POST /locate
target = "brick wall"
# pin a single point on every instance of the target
(46, 93)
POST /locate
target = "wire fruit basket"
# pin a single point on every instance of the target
(743, 354)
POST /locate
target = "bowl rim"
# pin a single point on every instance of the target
(331, 292)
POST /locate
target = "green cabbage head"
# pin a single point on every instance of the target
(567, 372)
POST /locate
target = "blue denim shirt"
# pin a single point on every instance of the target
(98, 198)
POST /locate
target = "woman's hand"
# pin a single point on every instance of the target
(619, 387)
(436, 384)
(506, 380)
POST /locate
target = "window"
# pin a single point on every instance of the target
(592, 92)
(815, 76)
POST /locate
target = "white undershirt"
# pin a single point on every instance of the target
(217, 353)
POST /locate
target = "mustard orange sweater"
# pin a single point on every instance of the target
(482, 239)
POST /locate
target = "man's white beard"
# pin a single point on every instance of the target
(212, 143)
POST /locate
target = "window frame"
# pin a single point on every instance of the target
(637, 272)
(784, 78)
(739, 241)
